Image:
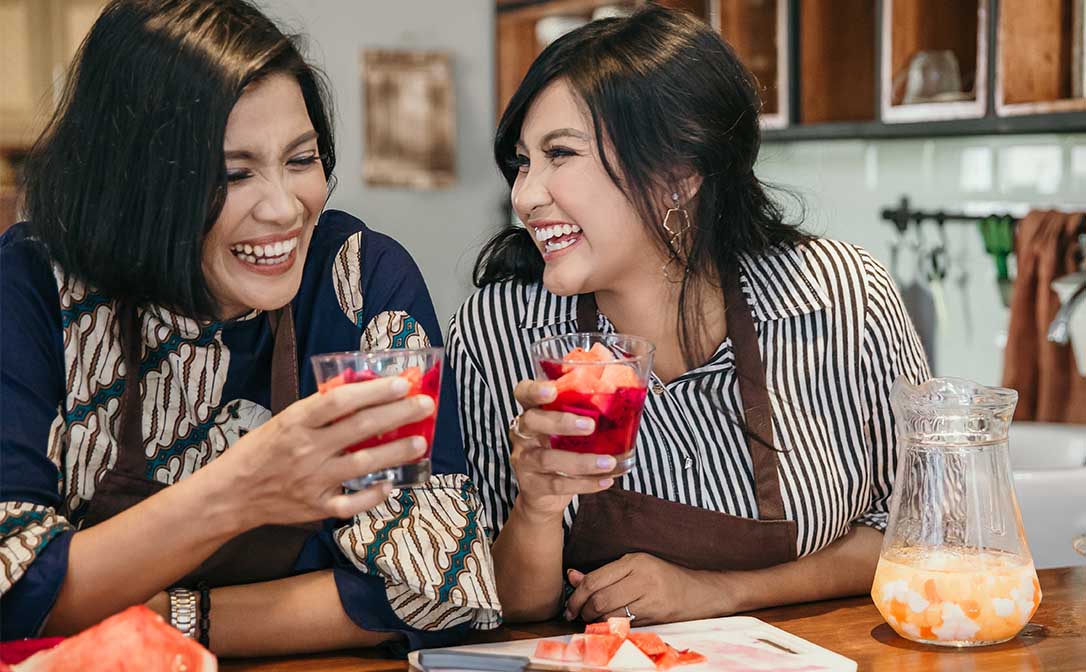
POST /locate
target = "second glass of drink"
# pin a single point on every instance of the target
(603, 377)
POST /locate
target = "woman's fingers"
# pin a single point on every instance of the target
(550, 423)
(350, 504)
(532, 393)
(564, 462)
(373, 421)
(318, 410)
(368, 460)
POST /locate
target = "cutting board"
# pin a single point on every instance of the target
(734, 643)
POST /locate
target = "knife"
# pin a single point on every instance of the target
(435, 660)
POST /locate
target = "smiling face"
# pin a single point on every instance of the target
(254, 254)
(589, 233)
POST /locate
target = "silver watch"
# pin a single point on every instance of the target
(184, 611)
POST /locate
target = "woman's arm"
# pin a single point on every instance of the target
(528, 564)
(299, 614)
(657, 591)
(287, 470)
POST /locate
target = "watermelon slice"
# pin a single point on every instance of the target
(649, 643)
(690, 657)
(667, 660)
(597, 629)
(135, 639)
(575, 649)
(550, 649)
(599, 649)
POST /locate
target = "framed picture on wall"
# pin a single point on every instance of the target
(409, 114)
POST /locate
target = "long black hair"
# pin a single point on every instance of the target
(673, 100)
(130, 174)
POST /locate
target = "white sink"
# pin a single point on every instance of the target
(1049, 464)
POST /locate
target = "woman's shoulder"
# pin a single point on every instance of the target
(338, 232)
(26, 267)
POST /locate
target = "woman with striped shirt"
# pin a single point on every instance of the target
(765, 456)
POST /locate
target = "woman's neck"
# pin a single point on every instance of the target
(648, 307)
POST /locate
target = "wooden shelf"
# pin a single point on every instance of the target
(842, 68)
(925, 45)
(1040, 65)
(837, 68)
(758, 31)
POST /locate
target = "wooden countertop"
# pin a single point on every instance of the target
(1055, 640)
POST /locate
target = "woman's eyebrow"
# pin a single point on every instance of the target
(300, 140)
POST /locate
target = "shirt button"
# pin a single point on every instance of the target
(688, 463)
(657, 389)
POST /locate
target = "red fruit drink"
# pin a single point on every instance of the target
(422, 369)
(603, 377)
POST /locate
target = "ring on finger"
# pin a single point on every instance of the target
(628, 614)
(515, 430)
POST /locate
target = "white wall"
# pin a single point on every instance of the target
(444, 228)
(846, 183)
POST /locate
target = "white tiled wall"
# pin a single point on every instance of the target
(846, 183)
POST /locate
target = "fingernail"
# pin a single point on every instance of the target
(568, 615)
(606, 483)
(605, 462)
(424, 402)
(400, 386)
(546, 391)
(583, 423)
(418, 444)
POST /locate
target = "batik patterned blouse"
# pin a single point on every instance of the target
(204, 386)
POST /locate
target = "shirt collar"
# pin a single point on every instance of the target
(777, 285)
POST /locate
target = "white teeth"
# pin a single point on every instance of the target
(555, 231)
(554, 247)
(270, 254)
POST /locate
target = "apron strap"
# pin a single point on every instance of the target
(757, 411)
(284, 372)
(132, 459)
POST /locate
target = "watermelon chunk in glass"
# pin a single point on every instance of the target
(428, 383)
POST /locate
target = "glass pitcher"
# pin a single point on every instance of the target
(954, 569)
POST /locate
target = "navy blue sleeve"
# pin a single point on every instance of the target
(33, 535)
(392, 282)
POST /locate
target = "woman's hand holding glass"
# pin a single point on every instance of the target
(548, 478)
(291, 469)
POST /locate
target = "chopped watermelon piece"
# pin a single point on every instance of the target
(135, 639)
(550, 649)
(599, 649)
(690, 657)
(597, 629)
(620, 375)
(601, 353)
(649, 643)
(619, 625)
(575, 649)
(666, 660)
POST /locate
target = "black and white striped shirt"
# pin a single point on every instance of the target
(834, 335)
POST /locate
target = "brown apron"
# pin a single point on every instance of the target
(615, 522)
(262, 554)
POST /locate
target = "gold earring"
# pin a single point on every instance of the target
(676, 223)
(681, 226)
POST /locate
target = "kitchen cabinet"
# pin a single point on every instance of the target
(875, 68)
